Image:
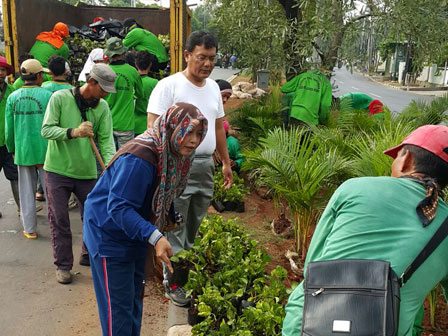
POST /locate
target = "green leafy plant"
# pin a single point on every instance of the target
(254, 119)
(235, 193)
(228, 284)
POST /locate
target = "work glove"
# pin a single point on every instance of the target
(85, 130)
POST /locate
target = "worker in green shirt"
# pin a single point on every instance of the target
(234, 148)
(72, 117)
(390, 219)
(128, 86)
(18, 83)
(59, 70)
(308, 97)
(51, 43)
(143, 62)
(6, 159)
(25, 110)
(142, 39)
(361, 101)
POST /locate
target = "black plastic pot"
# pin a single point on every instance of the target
(234, 206)
(193, 317)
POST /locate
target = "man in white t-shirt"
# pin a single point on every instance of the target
(193, 86)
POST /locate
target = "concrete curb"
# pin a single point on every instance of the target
(178, 321)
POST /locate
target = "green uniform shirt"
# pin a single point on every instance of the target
(141, 104)
(375, 218)
(25, 110)
(312, 97)
(359, 101)
(142, 39)
(234, 148)
(18, 83)
(42, 51)
(53, 86)
(75, 157)
(9, 90)
(128, 84)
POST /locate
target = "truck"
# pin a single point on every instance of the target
(23, 20)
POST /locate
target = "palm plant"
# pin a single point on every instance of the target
(369, 159)
(298, 168)
(255, 118)
(420, 113)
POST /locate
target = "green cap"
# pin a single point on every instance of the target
(114, 46)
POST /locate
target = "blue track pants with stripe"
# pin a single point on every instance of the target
(118, 287)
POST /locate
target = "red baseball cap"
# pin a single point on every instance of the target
(4, 64)
(433, 138)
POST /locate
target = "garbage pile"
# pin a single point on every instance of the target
(83, 40)
(246, 90)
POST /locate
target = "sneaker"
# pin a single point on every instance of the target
(30, 235)
(178, 296)
(84, 260)
(72, 204)
(63, 276)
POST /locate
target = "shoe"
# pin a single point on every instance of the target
(72, 204)
(40, 197)
(84, 260)
(63, 276)
(178, 296)
(30, 235)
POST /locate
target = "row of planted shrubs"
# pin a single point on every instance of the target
(231, 292)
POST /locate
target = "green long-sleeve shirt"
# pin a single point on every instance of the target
(25, 109)
(142, 39)
(53, 86)
(141, 104)
(9, 90)
(375, 218)
(75, 157)
(128, 85)
(312, 97)
(42, 51)
(234, 148)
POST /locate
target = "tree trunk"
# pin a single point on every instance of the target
(294, 16)
(331, 55)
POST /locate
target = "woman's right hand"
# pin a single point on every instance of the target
(164, 252)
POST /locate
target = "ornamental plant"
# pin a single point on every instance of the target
(228, 284)
(297, 167)
(236, 193)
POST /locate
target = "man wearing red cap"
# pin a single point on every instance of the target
(390, 219)
(51, 43)
(6, 160)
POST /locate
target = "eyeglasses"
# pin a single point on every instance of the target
(202, 58)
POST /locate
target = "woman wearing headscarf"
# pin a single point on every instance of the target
(130, 207)
(95, 56)
(51, 43)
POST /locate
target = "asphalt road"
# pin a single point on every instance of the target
(32, 302)
(395, 99)
(221, 73)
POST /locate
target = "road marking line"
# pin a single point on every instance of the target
(355, 88)
(341, 82)
(375, 95)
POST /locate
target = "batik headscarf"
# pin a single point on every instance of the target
(56, 36)
(160, 146)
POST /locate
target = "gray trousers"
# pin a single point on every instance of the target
(193, 203)
(27, 190)
(121, 137)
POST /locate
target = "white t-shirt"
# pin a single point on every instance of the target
(178, 89)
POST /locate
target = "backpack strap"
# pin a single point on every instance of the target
(433, 243)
